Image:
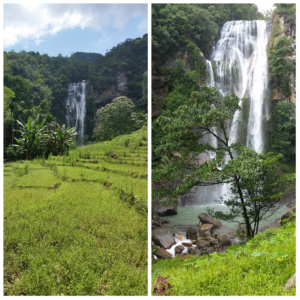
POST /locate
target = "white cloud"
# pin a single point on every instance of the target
(36, 21)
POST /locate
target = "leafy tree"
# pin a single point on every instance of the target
(261, 190)
(31, 137)
(116, 118)
(206, 113)
(284, 129)
(281, 67)
(59, 139)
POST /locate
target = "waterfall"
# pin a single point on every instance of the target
(240, 60)
(75, 106)
(238, 63)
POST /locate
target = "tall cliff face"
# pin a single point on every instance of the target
(162, 79)
(287, 28)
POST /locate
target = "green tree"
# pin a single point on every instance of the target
(281, 67)
(284, 129)
(261, 189)
(116, 118)
(207, 113)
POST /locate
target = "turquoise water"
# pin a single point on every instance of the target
(188, 215)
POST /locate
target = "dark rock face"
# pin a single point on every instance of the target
(288, 213)
(207, 219)
(163, 238)
(162, 253)
(164, 221)
(167, 210)
(179, 249)
(191, 233)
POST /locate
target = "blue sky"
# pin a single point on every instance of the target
(66, 28)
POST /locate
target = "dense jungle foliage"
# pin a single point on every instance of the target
(37, 85)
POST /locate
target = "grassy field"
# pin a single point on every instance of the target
(260, 267)
(77, 225)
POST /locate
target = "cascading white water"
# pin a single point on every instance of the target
(238, 63)
(75, 105)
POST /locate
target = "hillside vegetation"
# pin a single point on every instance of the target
(261, 267)
(77, 224)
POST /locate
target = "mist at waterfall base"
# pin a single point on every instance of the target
(75, 107)
(237, 63)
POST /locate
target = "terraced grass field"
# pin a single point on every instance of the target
(77, 225)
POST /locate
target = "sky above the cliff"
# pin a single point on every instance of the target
(66, 28)
(264, 6)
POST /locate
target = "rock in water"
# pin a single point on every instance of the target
(167, 210)
(179, 249)
(163, 238)
(207, 219)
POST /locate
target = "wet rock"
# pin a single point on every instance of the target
(224, 240)
(179, 236)
(163, 238)
(202, 244)
(207, 219)
(186, 244)
(213, 242)
(162, 253)
(164, 221)
(167, 210)
(190, 249)
(205, 230)
(179, 249)
(191, 233)
(287, 215)
(194, 241)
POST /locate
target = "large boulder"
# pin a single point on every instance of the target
(167, 210)
(205, 230)
(163, 238)
(224, 240)
(202, 244)
(288, 213)
(191, 233)
(207, 219)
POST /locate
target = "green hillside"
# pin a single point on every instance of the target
(77, 224)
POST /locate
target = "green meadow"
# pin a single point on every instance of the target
(77, 224)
